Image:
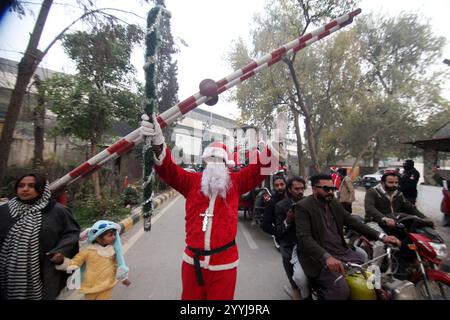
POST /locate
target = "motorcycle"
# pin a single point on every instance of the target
(367, 282)
(419, 258)
(262, 198)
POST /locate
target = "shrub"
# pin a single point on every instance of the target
(130, 196)
(89, 210)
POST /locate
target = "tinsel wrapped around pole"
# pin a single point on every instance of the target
(152, 41)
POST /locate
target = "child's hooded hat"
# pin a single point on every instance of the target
(97, 230)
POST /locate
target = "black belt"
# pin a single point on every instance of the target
(199, 252)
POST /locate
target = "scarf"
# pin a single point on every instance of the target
(20, 274)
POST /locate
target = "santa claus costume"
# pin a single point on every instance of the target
(211, 255)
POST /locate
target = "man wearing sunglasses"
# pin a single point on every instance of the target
(319, 221)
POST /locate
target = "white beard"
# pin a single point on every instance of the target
(215, 180)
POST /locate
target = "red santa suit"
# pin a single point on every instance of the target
(211, 256)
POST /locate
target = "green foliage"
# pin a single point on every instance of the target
(166, 66)
(102, 92)
(363, 91)
(89, 210)
(130, 196)
(103, 55)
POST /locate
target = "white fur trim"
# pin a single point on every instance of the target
(106, 251)
(208, 266)
(72, 268)
(207, 243)
(162, 156)
(63, 266)
(231, 163)
(215, 152)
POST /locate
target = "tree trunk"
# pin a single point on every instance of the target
(311, 144)
(39, 126)
(95, 175)
(375, 155)
(308, 124)
(301, 162)
(26, 68)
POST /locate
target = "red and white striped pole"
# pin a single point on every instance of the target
(169, 116)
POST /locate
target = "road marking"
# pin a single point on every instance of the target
(251, 243)
(130, 242)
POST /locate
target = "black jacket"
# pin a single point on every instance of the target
(60, 232)
(269, 213)
(408, 183)
(310, 231)
(377, 205)
(286, 235)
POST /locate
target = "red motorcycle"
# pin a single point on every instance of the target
(420, 257)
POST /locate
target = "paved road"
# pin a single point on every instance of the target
(154, 259)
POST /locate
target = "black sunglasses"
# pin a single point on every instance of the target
(327, 188)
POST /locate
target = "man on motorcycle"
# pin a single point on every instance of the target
(279, 193)
(384, 202)
(322, 249)
(285, 228)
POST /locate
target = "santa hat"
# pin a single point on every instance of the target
(218, 150)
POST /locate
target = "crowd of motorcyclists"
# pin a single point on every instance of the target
(310, 232)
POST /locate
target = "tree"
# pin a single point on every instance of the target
(26, 68)
(397, 55)
(88, 103)
(282, 22)
(360, 93)
(39, 124)
(166, 69)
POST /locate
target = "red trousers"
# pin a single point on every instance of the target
(217, 285)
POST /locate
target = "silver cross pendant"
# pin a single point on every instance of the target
(205, 219)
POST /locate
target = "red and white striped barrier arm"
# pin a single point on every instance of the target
(169, 116)
(254, 67)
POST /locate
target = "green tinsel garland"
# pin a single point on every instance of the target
(152, 41)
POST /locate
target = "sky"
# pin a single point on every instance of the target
(207, 26)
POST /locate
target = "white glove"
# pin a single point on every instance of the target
(152, 130)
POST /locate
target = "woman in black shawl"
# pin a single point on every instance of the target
(32, 228)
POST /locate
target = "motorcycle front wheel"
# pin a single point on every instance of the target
(438, 290)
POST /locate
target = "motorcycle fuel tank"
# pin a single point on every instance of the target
(359, 288)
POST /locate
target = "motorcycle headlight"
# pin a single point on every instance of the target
(440, 248)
